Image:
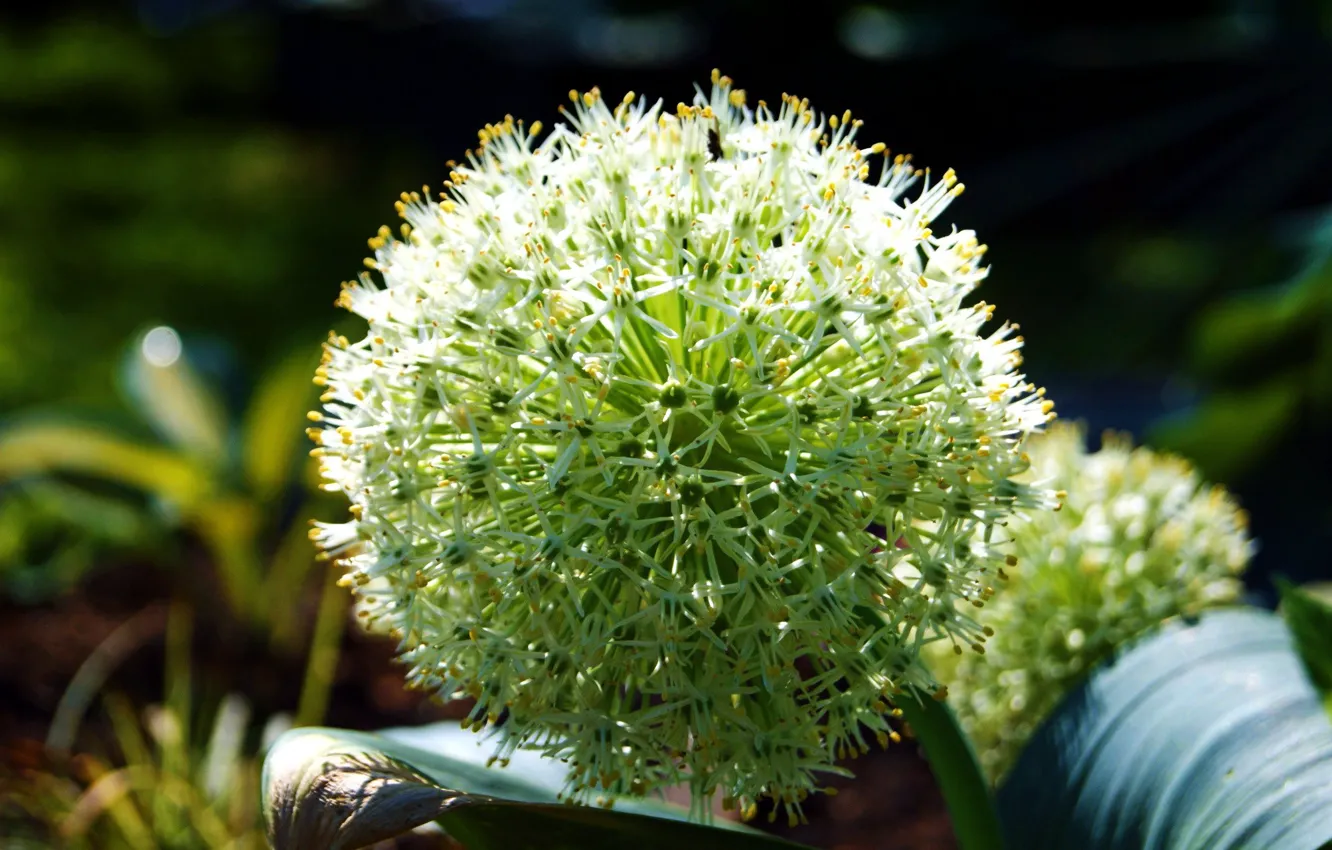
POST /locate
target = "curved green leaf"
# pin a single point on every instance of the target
(542, 778)
(183, 408)
(331, 788)
(53, 448)
(273, 437)
(1204, 736)
(1310, 619)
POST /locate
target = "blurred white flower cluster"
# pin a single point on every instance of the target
(1140, 538)
(636, 401)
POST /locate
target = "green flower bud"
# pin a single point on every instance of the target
(1139, 538)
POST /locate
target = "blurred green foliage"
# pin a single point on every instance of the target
(1267, 354)
(149, 178)
(53, 532)
(229, 482)
(1121, 303)
(1263, 356)
(142, 182)
(237, 484)
(139, 181)
(176, 774)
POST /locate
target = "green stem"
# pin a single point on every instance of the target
(287, 576)
(965, 791)
(324, 650)
(174, 743)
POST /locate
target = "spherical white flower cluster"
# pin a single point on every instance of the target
(1139, 539)
(631, 401)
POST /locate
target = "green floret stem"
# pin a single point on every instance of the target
(956, 769)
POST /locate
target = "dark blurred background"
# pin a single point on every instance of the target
(1154, 180)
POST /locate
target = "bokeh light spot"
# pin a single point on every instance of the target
(161, 346)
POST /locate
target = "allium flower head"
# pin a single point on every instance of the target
(632, 396)
(1140, 538)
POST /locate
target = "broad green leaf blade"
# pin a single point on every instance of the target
(52, 448)
(273, 436)
(1310, 620)
(1204, 736)
(330, 788)
(542, 777)
(964, 787)
(172, 396)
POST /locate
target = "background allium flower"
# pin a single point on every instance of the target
(1140, 538)
(629, 401)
